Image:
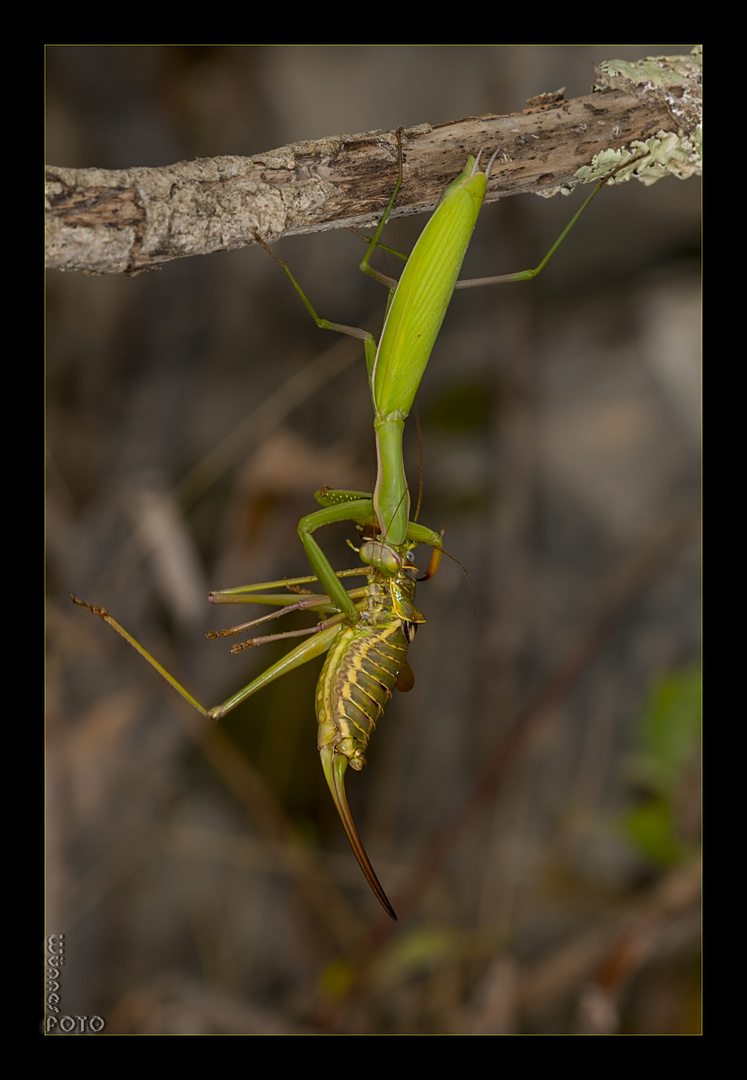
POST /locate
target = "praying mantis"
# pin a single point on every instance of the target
(366, 631)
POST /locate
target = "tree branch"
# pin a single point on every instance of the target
(127, 221)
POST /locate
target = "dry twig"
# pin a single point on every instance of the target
(130, 220)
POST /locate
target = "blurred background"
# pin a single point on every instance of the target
(531, 807)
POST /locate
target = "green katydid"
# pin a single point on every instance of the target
(366, 631)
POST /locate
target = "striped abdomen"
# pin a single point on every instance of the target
(357, 680)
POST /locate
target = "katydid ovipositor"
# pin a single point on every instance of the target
(367, 631)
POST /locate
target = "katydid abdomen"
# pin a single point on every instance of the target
(364, 665)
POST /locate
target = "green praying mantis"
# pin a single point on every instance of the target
(366, 631)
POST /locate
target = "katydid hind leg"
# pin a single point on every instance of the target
(301, 654)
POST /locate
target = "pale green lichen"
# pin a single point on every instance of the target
(668, 154)
(659, 71)
(676, 82)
